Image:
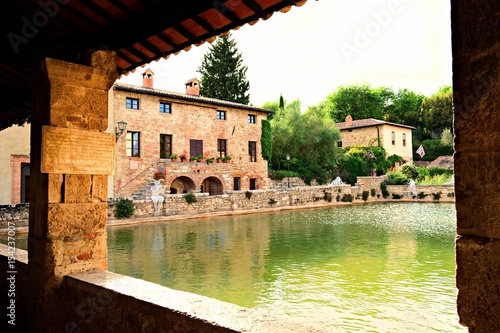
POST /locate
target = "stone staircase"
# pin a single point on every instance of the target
(144, 193)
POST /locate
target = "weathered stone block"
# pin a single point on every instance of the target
(77, 188)
(99, 188)
(478, 269)
(478, 194)
(55, 188)
(75, 219)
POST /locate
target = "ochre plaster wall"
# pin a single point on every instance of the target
(397, 149)
(14, 140)
(368, 136)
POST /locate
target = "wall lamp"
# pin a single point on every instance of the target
(122, 126)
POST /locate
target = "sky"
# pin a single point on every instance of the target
(311, 50)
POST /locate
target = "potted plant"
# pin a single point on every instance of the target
(226, 159)
(201, 158)
(193, 158)
(219, 159)
(159, 175)
(183, 158)
(174, 157)
(210, 160)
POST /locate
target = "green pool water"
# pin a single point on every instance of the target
(368, 268)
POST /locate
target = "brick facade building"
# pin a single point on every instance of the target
(162, 123)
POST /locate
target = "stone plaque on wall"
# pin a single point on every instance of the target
(74, 151)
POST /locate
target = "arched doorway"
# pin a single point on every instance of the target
(212, 186)
(182, 185)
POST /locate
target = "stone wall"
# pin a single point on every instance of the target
(176, 204)
(19, 214)
(476, 121)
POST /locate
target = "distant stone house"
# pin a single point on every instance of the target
(395, 138)
(161, 123)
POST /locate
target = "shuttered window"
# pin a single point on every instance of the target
(195, 147)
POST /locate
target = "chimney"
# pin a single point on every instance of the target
(193, 87)
(147, 78)
(348, 120)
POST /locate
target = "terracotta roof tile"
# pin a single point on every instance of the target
(186, 97)
(368, 123)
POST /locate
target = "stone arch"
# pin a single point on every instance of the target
(212, 186)
(182, 184)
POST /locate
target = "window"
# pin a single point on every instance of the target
(222, 147)
(165, 145)
(251, 119)
(221, 115)
(339, 144)
(404, 139)
(252, 151)
(132, 103)
(195, 147)
(165, 107)
(253, 183)
(393, 138)
(237, 183)
(133, 144)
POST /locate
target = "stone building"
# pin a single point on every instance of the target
(14, 164)
(162, 123)
(395, 138)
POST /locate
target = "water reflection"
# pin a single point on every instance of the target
(374, 268)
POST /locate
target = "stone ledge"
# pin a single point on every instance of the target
(141, 298)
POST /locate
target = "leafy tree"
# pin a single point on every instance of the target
(309, 138)
(436, 112)
(404, 108)
(223, 75)
(359, 101)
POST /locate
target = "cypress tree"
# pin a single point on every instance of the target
(223, 75)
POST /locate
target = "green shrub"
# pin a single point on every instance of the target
(436, 196)
(422, 173)
(346, 198)
(383, 188)
(328, 196)
(272, 201)
(373, 192)
(435, 171)
(451, 195)
(397, 196)
(190, 198)
(124, 208)
(266, 140)
(351, 167)
(410, 171)
(421, 195)
(396, 178)
(282, 174)
(338, 198)
(365, 195)
(435, 180)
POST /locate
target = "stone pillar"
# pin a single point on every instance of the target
(68, 209)
(476, 76)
